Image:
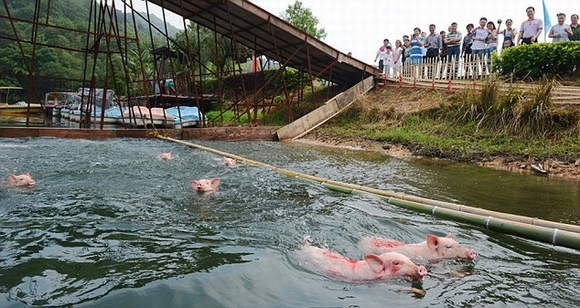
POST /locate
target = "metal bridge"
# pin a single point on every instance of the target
(116, 57)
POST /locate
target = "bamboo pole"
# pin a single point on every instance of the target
(555, 233)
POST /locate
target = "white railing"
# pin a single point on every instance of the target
(432, 69)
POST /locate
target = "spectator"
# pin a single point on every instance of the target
(575, 29)
(407, 51)
(453, 41)
(398, 53)
(424, 48)
(479, 37)
(560, 32)
(506, 44)
(433, 43)
(381, 54)
(417, 41)
(491, 41)
(443, 53)
(467, 41)
(405, 46)
(530, 29)
(509, 33)
(389, 62)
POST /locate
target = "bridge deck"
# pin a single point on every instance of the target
(255, 28)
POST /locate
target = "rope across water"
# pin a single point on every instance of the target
(532, 228)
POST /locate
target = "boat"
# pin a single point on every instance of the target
(18, 108)
(185, 116)
(57, 101)
(141, 116)
(92, 100)
(109, 116)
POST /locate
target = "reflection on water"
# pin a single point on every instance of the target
(109, 225)
(20, 120)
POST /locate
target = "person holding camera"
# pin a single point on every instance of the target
(509, 33)
(417, 41)
(479, 38)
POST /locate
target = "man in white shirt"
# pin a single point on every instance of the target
(530, 29)
(479, 37)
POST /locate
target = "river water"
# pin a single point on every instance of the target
(109, 225)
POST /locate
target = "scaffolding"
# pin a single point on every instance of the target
(234, 60)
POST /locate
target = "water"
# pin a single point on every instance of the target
(108, 225)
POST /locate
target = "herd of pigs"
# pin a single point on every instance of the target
(384, 258)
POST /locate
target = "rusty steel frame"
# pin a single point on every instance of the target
(107, 40)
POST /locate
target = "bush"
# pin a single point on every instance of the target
(536, 61)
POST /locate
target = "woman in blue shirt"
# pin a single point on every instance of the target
(415, 54)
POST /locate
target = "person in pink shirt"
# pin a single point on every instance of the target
(530, 29)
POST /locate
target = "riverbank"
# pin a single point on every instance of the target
(553, 168)
(399, 123)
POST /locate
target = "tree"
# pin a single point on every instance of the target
(303, 19)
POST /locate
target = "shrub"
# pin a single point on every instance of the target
(536, 61)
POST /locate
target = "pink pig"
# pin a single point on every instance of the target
(434, 248)
(165, 156)
(373, 267)
(23, 180)
(205, 185)
(230, 162)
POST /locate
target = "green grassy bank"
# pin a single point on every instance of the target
(467, 125)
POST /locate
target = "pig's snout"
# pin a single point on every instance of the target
(422, 271)
(472, 254)
(31, 182)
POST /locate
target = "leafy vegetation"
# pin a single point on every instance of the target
(303, 19)
(537, 61)
(56, 53)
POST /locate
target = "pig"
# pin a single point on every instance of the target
(23, 180)
(165, 156)
(204, 185)
(372, 267)
(434, 248)
(229, 162)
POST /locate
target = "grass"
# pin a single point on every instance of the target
(468, 126)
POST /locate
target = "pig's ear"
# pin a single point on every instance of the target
(449, 235)
(214, 183)
(12, 176)
(27, 174)
(193, 182)
(432, 242)
(375, 263)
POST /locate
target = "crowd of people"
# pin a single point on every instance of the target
(478, 41)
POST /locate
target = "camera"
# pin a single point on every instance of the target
(499, 21)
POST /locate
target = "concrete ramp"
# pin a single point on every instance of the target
(324, 113)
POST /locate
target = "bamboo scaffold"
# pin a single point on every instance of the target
(555, 233)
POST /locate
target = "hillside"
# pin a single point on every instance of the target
(58, 42)
(412, 123)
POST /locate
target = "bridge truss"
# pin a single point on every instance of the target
(249, 78)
